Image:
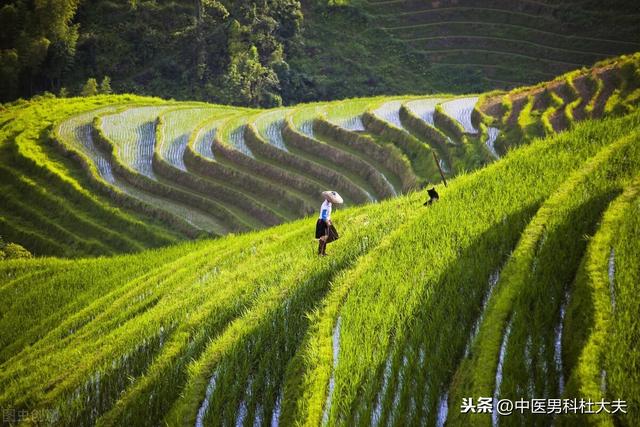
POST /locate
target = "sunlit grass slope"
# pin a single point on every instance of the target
(118, 174)
(407, 314)
(49, 204)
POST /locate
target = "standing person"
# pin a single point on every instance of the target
(324, 220)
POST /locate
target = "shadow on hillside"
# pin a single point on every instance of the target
(531, 366)
(250, 376)
(427, 349)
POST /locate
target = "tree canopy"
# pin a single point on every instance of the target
(221, 50)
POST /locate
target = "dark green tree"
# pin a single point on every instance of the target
(90, 88)
(182, 49)
(247, 80)
(105, 86)
(36, 46)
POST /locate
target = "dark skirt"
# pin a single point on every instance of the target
(322, 228)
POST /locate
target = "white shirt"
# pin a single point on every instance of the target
(325, 210)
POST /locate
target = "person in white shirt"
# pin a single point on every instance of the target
(324, 220)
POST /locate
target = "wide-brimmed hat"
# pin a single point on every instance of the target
(333, 197)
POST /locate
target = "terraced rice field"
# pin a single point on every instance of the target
(526, 113)
(270, 127)
(506, 43)
(77, 132)
(460, 109)
(521, 282)
(353, 124)
(424, 108)
(204, 139)
(177, 128)
(232, 133)
(390, 112)
(133, 132)
(348, 114)
(220, 169)
(254, 329)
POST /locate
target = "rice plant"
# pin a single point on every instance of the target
(520, 281)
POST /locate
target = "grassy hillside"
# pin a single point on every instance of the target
(48, 203)
(176, 279)
(112, 174)
(413, 309)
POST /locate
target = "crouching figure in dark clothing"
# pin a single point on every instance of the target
(325, 231)
(433, 196)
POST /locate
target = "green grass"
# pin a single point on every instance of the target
(407, 314)
(602, 303)
(532, 319)
(369, 334)
(534, 268)
(136, 339)
(28, 156)
(172, 132)
(624, 325)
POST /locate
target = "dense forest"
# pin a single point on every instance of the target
(272, 52)
(226, 50)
